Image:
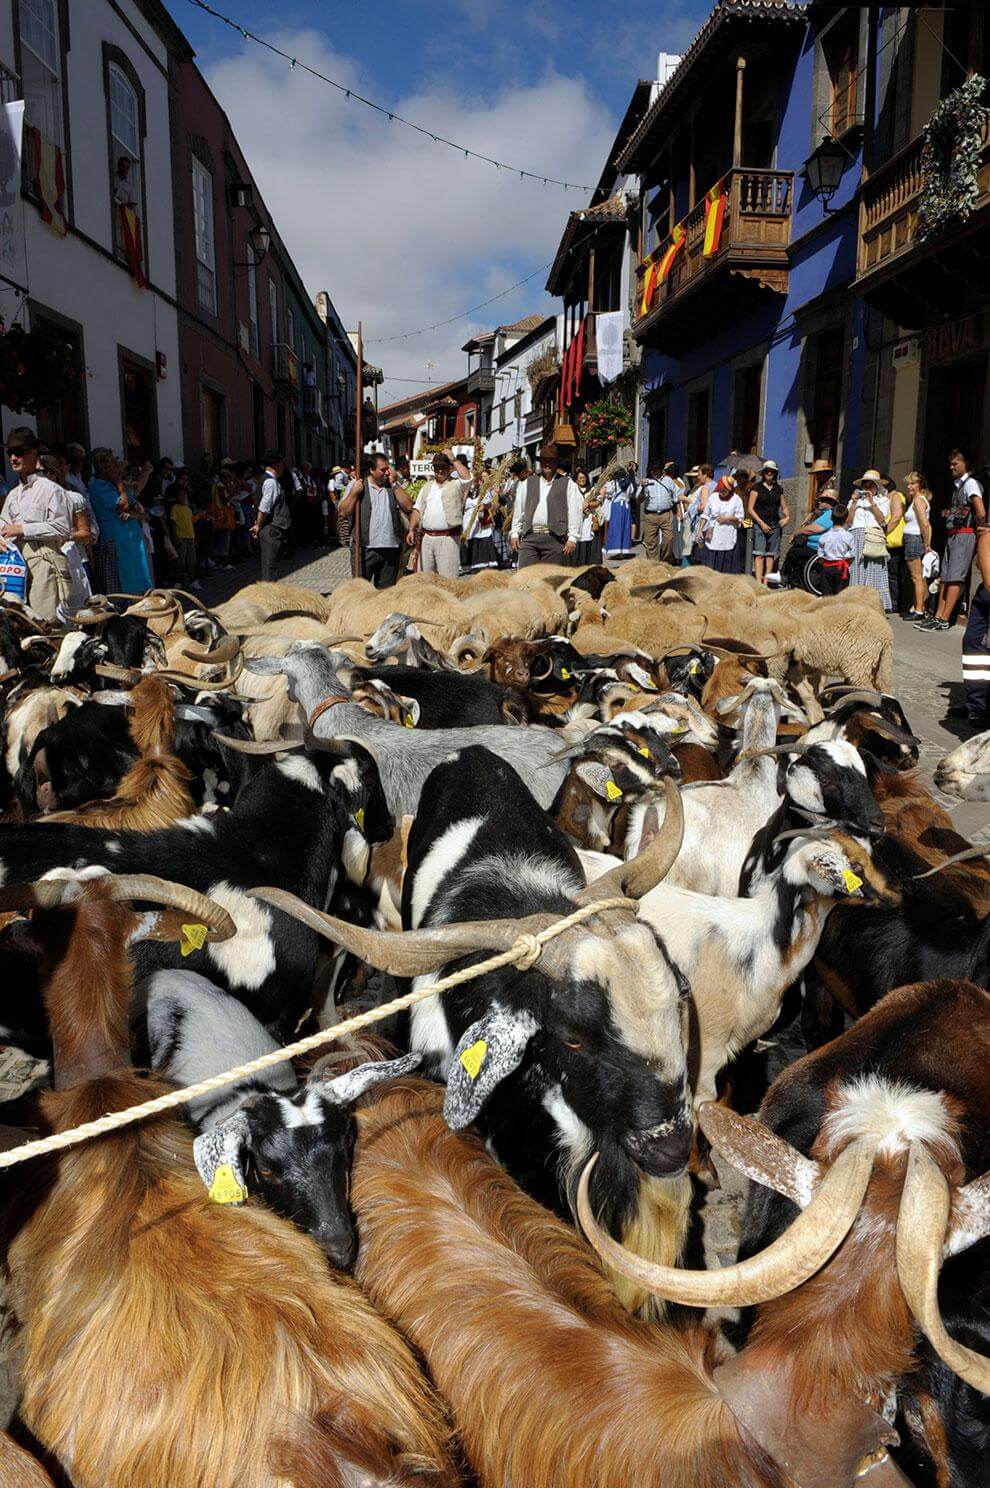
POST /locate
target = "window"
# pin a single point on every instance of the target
(252, 287)
(41, 68)
(502, 415)
(826, 399)
(125, 148)
(840, 46)
(273, 308)
(206, 278)
(290, 327)
(699, 408)
(746, 399)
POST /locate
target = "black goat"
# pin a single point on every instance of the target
(451, 699)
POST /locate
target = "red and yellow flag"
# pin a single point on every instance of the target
(714, 218)
(676, 244)
(649, 287)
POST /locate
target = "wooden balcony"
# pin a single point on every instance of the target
(751, 259)
(902, 274)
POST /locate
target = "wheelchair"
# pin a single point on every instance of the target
(804, 572)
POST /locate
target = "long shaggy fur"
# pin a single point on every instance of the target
(551, 1383)
(155, 790)
(18, 1469)
(170, 1340)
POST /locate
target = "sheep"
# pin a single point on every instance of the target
(357, 608)
(168, 1338)
(155, 790)
(260, 601)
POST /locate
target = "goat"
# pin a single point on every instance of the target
(169, 1339)
(288, 827)
(18, 1469)
(965, 770)
(741, 955)
(450, 699)
(155, 791)
(406, 757)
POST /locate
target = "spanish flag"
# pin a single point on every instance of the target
(649, 287)
(676, 244)
(714, 217)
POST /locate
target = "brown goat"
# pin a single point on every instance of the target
(168, 1339)
(18, 1469)
(697, 763)
(155, 790)
(912, 814)
(552, 1384)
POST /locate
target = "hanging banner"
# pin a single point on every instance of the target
(608, 329)
(13, 258)
(47, 172)
(676, 244)
(714, 218)
(565, 376)
(649, 287)
(130, 231)
(578, 365)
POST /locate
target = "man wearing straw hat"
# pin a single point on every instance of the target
(546, 519)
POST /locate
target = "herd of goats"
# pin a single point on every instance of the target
(644, 833)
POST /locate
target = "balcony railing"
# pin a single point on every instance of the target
(313, 405)
(888, 225)
(481, 380)
(756, 232)
(285, 368)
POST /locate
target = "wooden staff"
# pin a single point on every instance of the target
(358, 443)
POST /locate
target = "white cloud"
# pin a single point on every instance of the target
(401, 231)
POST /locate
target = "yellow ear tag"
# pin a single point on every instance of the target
(226, 1189)
(694, 668)
(193, 938)
(474, 1057)
(408, 721)
(359, 818)
(644, 751)
(851, 880)
(565, 674)
(612, 791)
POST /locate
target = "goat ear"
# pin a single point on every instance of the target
(836, 876)
(219, 1157)
(346, 1088)
(488, 1051)
(265, 666)
(599, 778)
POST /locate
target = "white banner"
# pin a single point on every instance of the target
(608, 336)
(13, 260)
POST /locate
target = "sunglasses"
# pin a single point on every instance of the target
(19, 449)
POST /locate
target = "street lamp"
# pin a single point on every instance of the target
(823, 170)
(259, 240)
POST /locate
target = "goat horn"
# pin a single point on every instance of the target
(409, 953)
(693, 646)
(922, 1224)
(259, 746)
(200, 684)
(971, 1216)
(802, 1250)
(226, 648)
(811, 834)
(117, 673)
(48, 893)
(755, 1150)
(648, 868)
(959, 857)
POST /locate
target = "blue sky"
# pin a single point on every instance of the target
(401, 231)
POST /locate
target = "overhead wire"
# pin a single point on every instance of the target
(388, 113)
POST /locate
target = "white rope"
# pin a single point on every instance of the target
(523, 953)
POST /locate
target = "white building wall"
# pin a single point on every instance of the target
(510, 378)
(77, 276)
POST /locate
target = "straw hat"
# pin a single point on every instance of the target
(873, 476)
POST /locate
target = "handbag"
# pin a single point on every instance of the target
(875, 544)
(895, 537)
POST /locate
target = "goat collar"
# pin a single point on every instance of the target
(327, 703)
(846, 1448)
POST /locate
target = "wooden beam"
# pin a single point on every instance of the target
(737, 135)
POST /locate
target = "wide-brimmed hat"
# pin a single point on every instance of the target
(694, 470)
(872, 475)
(771, 465)
(226, 463)
(21, 437)
(829, 496)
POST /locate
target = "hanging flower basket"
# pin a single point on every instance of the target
(606, 423)
(950, 159)
(36, 370)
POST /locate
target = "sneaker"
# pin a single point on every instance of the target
(914, 615)
(930, 624)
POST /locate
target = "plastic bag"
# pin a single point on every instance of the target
(13, 573)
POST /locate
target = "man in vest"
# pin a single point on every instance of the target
(437, 518)
(546, 518)
(381, 529)
(660, 493)
(274, 519)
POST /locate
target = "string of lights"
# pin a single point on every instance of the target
(389, 114)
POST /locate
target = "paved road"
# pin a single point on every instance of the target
(926, 669)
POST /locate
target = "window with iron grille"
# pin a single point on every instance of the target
(206, 277)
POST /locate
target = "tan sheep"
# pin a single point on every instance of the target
(270, 599)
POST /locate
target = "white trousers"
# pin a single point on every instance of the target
(440, 555)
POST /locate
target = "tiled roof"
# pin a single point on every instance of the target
(612, 210)
(728, 16)
(520, 327)
(418, 400)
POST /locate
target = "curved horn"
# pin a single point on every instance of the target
(959, 857)
(755, 1150)
(200, 684)
(921, 1229)
(648, 868)
(259, 746)
(118, 673)
(48, 893)
(405, 953)
(225, 650)
(802, 1250)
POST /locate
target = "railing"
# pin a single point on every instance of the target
(313, 405)
(891, 198)
(10, 84)
(756, 228)
(481, 380)
(285, 366)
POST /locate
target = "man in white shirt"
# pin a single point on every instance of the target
(437, 518)
(546, 517)
(271, 525)
(37, 518)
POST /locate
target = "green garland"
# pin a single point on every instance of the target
(950, 159)
(606, 423)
